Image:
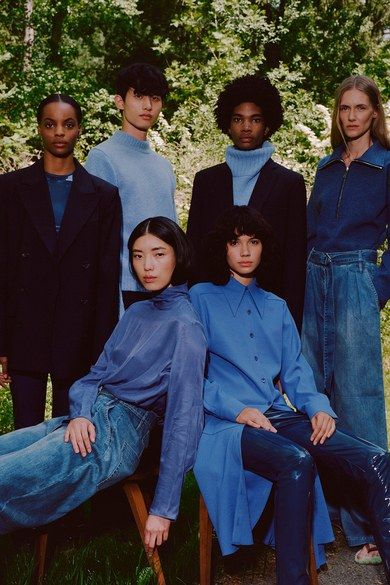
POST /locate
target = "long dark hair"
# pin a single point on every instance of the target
(59, 97)
(169, 232)
(237, 221)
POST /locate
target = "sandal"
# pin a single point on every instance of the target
(368, 555)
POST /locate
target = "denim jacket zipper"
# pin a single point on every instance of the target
(372, 165)
(342, 189)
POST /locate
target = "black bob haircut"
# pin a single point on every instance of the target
(143, 78)
(59, 97)
(169, 232)
(237, 221)
(254, 89)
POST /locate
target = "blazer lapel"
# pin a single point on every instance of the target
(35, 196)
(263, 186)
(224, 187)
(81, 203)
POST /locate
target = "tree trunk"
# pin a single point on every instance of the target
(56, 31)
(28, 35)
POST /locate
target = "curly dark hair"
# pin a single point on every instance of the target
(250, 88)
(237, 221)
(144, 78)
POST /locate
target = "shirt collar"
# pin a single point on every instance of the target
(234, 292)
(169, 295)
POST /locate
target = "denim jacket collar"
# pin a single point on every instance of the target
(374, 156)
(234, 292)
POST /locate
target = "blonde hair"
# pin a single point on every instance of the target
(379, 129)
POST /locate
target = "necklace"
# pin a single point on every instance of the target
(348, 158)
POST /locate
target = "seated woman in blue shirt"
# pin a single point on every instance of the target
(151, 370)
(253, 440)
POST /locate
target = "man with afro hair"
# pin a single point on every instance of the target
(249, 111)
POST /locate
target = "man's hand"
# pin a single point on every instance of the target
(254, 418)
(4, 377)
(81, 433)
(156, 532)
(323, 426)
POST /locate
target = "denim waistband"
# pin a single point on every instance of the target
(325, 258)
(134, 408)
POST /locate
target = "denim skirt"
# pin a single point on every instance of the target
(341, 339)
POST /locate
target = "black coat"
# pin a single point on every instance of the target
(58, 293)
(280, 195)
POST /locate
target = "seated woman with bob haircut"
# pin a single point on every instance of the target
(253, 440)
(150, 372)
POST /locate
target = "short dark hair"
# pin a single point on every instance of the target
(59, 97)
(144, 78)
(237, 221)
(250, 88)
(169, 232)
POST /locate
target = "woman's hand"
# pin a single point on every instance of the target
(323, 426)
(254, 418)
(156, 532)
(81, 433)
(4, 377)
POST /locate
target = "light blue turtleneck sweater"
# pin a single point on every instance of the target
(145, 181)
(245, 166)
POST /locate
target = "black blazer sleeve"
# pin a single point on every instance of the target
(107, 294)
(294, 272)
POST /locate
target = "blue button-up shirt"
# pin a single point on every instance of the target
(253, 342)
(155, 359)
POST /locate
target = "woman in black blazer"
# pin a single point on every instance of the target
(249, 110)
(59, 266)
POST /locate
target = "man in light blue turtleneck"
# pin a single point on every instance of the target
(145, 179)
(249, 111)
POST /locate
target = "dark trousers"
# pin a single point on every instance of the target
(28, 392)
(288, 457)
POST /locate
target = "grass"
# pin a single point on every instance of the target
(117, 557)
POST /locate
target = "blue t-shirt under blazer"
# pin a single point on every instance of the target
(155, 359)
(349, 209)
(253, 341)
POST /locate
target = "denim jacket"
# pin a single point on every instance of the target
(349, 209)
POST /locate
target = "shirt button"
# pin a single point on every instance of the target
(256, 358)
(249, 311)
(251, 335)
(262, 380)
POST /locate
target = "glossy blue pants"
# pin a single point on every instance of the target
(288, 458)
(42, 478)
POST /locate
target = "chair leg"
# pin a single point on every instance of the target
(140, 513)
(40, 558)
(205, 543)
(312, 564)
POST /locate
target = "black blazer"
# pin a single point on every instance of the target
(280, 195)
(58, 293)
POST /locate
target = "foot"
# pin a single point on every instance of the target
(368, 555)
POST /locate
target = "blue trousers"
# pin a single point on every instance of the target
(28, 390)
(341, 341)
(288, 458)
(42, 478)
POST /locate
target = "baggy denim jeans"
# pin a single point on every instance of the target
(42, 478)
(341, 341)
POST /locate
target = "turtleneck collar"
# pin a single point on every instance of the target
(248, 162)
(129, 141)
(170, 295)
